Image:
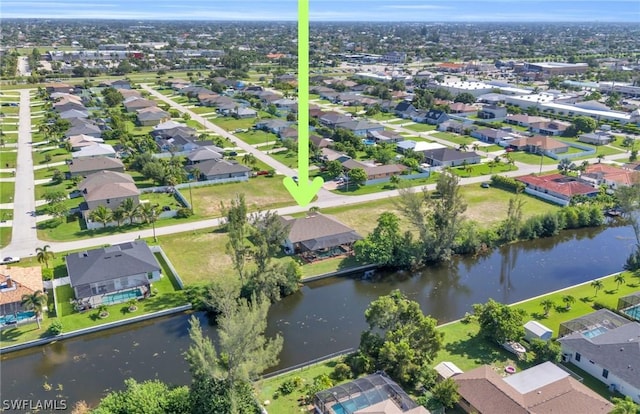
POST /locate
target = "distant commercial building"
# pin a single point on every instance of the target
(556, 68)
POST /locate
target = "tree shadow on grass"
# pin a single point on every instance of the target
(586, 299)
(477, 349)
(538, 315)
(561, 309)
(611, 291)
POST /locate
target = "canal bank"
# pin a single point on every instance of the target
(326, 316)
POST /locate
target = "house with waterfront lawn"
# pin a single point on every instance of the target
(544, 388)
(113, 274)
(14, 283)
(609, 352)
(318, 236)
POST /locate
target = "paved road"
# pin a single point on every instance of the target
(23, 66)
(276, 165)
(24, 238)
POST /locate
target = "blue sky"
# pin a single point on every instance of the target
(332, 10)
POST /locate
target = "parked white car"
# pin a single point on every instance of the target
(10, 259)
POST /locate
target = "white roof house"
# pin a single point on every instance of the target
(98, 150)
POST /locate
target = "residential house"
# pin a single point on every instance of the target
(539, 145)
(128, 93)
(435, 117)
(285, 103)
(152, 116)
(490, 135)
(14, 283)
(404, 109)
(94, 151)
(84, 128)
(384, 136)
(376, 394)
(453, 125)
(65, 106)
(79, 141)
(202, 154)
(360, 127)
(597, 138)
(549, 127)
(84, 167)
(243, 113)
(557, 188)
(462, 109)
(113, 274)
(288, 133)
(133, 104)
(317, 233)
(107, 188)
(612, 356)
(58, 87)
(116, 84)
(331, 119)
(492, 112)
(378, 172)
(541, 389)
(168, 125)
(221, 169)
(272, 125)
(610, 176)
(74, 113)
(448, 157)
(403, 147)
(177, 143)
(524, 120)
(320, 142)
(327, 154)
(634, 166)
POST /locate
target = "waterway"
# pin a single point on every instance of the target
(324, 317)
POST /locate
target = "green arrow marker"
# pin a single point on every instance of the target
(303, 191)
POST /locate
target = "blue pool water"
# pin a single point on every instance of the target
(592, 333)
(368, 142)
(20, 317)
(634, 312)
(121, 296)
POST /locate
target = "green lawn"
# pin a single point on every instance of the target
(168, 296)
(256, 136)
(42, 173)
(57, 155)
(201, 110)
(162, 199)
(69, 203)
(261, 193)
(287, 404)
(8, 156)
(455, 138)
(481, 169)
(420, 127)
(383, 116)
(7, 190)
(528, 158)
(287, 157)
(8, 126)
(42, 189)
(231, 124)
(376, 188)
(5, 236)
(402, 121)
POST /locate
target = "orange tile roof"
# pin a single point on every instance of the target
(615, 174)
(26, 279)
(559, 184)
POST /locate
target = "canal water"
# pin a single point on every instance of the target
(325, 316)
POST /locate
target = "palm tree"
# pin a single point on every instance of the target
(597, 285)
(44, 254)
(119, 215)
(101, 214)
(150, 214)
(463, 147)
(475, 146)
(34, 302)
(547, 305)
(625, 406)
(129, 208)
(619, 279)
(249, 159)
(568, 300)
(491, 164)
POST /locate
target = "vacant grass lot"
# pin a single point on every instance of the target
(477, 170)
(8, 156)
(231, 123)
(421, 127)
(455, 138)
(7, 190)
(5, 236)
(376, 188)
(528, 158)
(261, 193)
(256, 137)
(56, 154)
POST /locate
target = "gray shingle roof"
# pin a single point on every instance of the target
(109, 263)
(318, 227)
(216, 167)
(92, 164)
(617, 350)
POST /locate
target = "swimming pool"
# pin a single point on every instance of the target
(121, 297)
(592, 333)
(21, 316)
(368, 142)
(633, 312)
